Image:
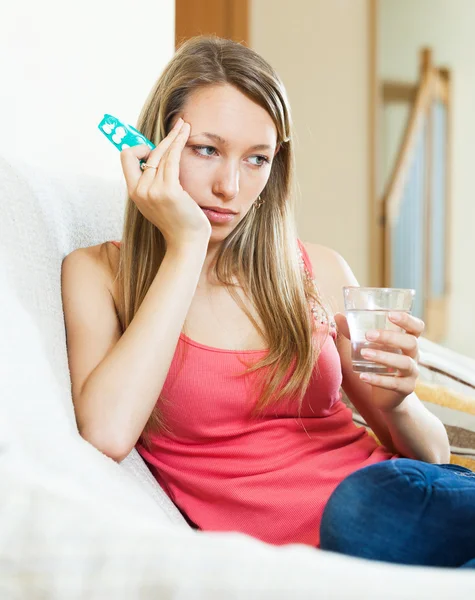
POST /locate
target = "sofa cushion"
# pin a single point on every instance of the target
(457, 413)
(59, 543)
(44, 217)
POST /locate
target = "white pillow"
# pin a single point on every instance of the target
(44, 218)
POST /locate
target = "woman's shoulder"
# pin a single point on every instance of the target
(320, 251)
(324, 260)
(102, 258)
(331, 272)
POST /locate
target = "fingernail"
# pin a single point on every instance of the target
(395, 317)
(368, 352)
(365, 376)
(372, 335)
(179, 122)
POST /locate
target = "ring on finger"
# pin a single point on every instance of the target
(144, 166)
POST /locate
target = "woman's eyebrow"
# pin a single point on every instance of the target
(218, 138)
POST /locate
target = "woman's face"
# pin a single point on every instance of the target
(228, 156)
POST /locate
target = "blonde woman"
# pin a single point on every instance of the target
(204, 337)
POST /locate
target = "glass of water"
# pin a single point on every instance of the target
(368, 309)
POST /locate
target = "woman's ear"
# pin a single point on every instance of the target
(277, 149)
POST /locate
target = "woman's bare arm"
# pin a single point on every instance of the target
(117, 379)
(409, 428)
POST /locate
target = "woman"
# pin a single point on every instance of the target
(203, 340)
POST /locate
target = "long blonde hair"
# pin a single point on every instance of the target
(261, 253)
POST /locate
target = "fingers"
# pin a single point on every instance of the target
(406, 365)
(403, 362)
(408, 344)
(158, 153)
(171, 162)
(342, 325)
(130, 158)
(410, 324)
(402, 385)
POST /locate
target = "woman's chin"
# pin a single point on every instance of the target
(220, 232)
(217, 236)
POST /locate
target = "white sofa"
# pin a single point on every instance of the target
(73, 523)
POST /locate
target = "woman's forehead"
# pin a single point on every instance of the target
(227, 113)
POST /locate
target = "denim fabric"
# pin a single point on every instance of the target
(404, 511)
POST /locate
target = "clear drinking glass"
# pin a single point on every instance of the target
(368, 309)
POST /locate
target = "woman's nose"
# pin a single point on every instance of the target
(227, 181)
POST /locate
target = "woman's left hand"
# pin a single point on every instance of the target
(389, 391)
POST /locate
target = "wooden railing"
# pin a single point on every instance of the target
(416, 200)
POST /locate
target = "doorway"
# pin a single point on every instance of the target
(224, 18)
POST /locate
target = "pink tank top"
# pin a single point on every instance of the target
(268, 477)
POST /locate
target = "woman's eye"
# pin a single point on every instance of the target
(201, 150)
(263, 160)
(209, 151)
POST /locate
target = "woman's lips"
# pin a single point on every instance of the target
(218, 217)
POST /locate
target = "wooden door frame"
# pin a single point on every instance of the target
(236, 26)
(376, 209)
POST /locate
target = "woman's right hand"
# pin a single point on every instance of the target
(158, 193)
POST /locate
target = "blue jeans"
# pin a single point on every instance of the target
(404, 511)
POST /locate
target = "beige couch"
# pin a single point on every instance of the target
(73, 523)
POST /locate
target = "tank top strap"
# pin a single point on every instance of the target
(305, 261)
(322, 314)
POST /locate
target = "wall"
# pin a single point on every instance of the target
(447, 27)
(66, 64)
(320, 50)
